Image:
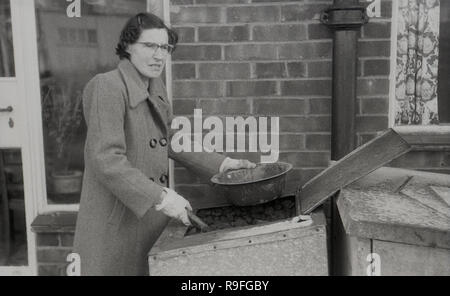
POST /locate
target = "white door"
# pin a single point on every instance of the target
(17, 242)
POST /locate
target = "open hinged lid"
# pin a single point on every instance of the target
(355, 165)
(398, 205)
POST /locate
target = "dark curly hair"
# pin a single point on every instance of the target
(134, 27)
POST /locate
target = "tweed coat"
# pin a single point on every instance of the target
(126, 166)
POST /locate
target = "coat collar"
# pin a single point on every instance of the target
(137, 87)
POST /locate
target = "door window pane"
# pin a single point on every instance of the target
(71, 52)
(13, 231)
(6, 41)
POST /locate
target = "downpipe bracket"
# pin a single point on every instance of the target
(344, 17)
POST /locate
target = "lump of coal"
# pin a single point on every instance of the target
(234, 216)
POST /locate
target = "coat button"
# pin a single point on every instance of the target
(153, 143)
(163, 178)
(163, 142)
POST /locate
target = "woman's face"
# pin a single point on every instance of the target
(148, 61)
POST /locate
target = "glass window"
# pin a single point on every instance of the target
(6, 41)
(422, 73)
(71, 52)
(13, 231)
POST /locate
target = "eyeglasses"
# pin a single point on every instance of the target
(153, 47)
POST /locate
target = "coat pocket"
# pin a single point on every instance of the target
(117, 212)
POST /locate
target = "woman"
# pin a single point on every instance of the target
(125, 203)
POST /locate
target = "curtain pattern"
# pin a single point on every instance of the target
(417, 62)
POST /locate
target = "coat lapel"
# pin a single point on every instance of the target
(139, 91)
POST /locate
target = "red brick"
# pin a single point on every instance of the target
(225, 106)
(301, 12)
(187, 15)
(319, 31)
(376, 67)
(248, 14)
(185, 34)
(181, 2)
(197, 52)
(67, 239)
(224, 71)
(251, 52)
(223, 33)
(320, 106)
(47, 239)
(423, 159)
(194, 89)
(52, 255)
(371, 87)
(371, 123)
(184, 107)
(364, 138)
(292, 142)
(183, 71)
(251, 88)
(270, 70)
(306, 87)
(377, 30)
(318, 142)
(386, 9)
(298, 177)
(254, 157)
(279, 33)
(279, 106)
(320, 69)
(51, 270)
(305, 124)
(310, 50)
(306, 159)
(374, 48)
(374, 106)
(297, 69)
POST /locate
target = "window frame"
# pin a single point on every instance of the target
(421, 137)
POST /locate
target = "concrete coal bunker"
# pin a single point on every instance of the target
(252, 240)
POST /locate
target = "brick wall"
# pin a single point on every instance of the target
(54, 241)
(260, 58)
(273, 58)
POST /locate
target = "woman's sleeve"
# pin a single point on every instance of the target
(106, 151)
(205, 163)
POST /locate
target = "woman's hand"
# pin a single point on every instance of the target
(235, 164)
(174, 206)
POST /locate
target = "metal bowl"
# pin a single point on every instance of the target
(259, 185)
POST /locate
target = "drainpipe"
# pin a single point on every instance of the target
(345, 18)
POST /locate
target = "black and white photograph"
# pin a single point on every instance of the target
(224, 142)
